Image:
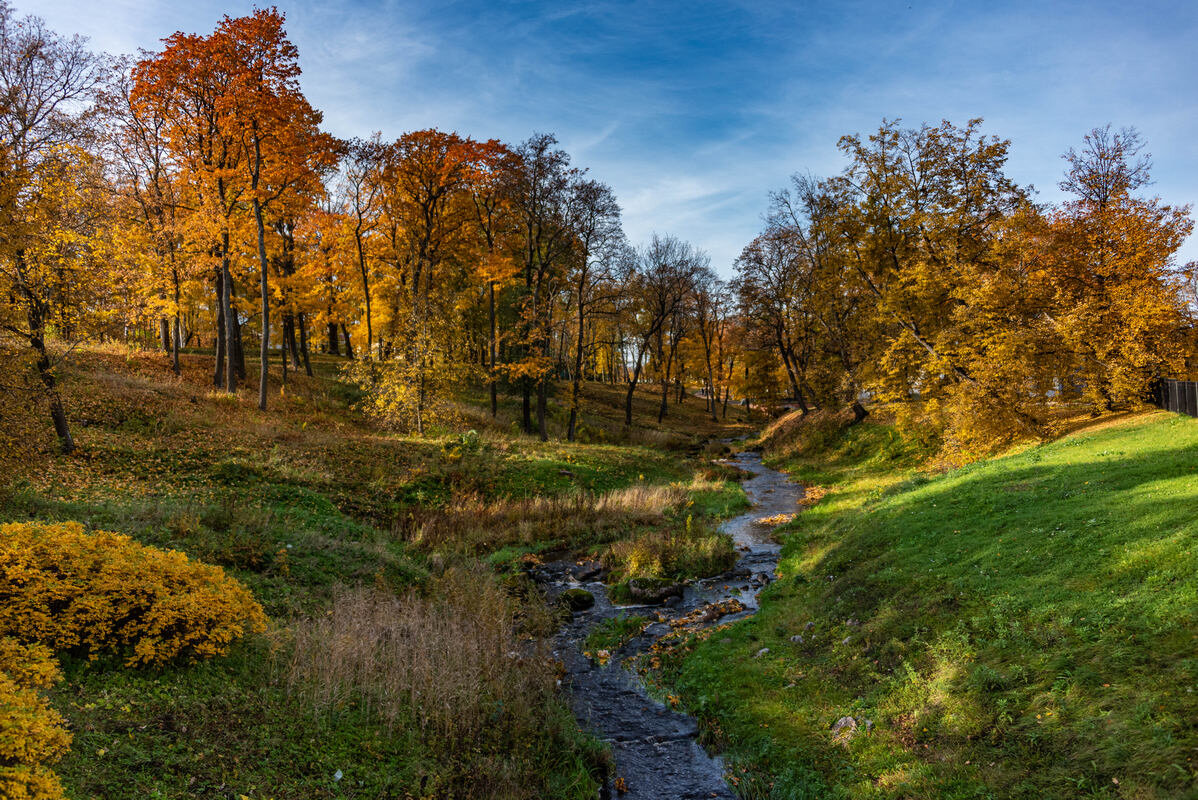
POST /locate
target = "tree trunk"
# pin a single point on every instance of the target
(176, 344)
(238, 347)
(303, 335)
(493, 382)
(177, 338)
(232, 329)
(164, 334)
(712, 396)
(57, 413)
(292, 343)
(577, 377)
(349, 347)
(542, 407)
(365, 290)
(334, 345)
(219, 341)
(636, 375)
(526, 405)
(264, 285)
(45, 371)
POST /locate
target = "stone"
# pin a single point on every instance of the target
(809, 626)
(797, 639)
(653, 591)
(588, 571)
(578, 599)
(761, 652)
(845, 723)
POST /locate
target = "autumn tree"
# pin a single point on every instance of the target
(138, 156)
(824, 316)
(425, 178)
(185, 86)
(659, 288)
(599, 246)
(48, 184)
(360, 194)
(923, 276)
(495, 169)
(776, 291)
(326, 265)
(1118, 304)
(540, 197)
(283, 149)
(712, 306)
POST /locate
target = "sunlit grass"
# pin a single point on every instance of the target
(1021, 627)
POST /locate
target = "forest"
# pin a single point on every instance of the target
(189, 199)
(315, 454)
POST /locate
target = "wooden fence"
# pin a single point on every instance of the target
(1178, 396)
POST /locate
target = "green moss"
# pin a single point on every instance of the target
(577, 599)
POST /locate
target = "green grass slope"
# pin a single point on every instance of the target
(298, 503)
(1025, 627)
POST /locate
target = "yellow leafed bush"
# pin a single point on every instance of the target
(102, 591)
(31, 733)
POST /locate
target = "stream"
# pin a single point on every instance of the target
(655, 749)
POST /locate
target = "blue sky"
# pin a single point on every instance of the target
(694, 111)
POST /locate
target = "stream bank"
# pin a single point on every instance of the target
(655, 749)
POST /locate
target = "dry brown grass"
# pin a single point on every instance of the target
(474, 524)
(448, 660)
(459, 664)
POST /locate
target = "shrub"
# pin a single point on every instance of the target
(102, 591)
(32, 734)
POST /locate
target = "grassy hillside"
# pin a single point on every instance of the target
(306, 501)
(1022, 627)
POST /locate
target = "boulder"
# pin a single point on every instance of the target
(843, 729)
(587, 571)
(577, 599)
(653, 590)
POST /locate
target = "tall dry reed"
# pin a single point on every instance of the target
(452, 662)
(474, 524)
(456, 668)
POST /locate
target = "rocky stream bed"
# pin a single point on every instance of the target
(657, 756)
